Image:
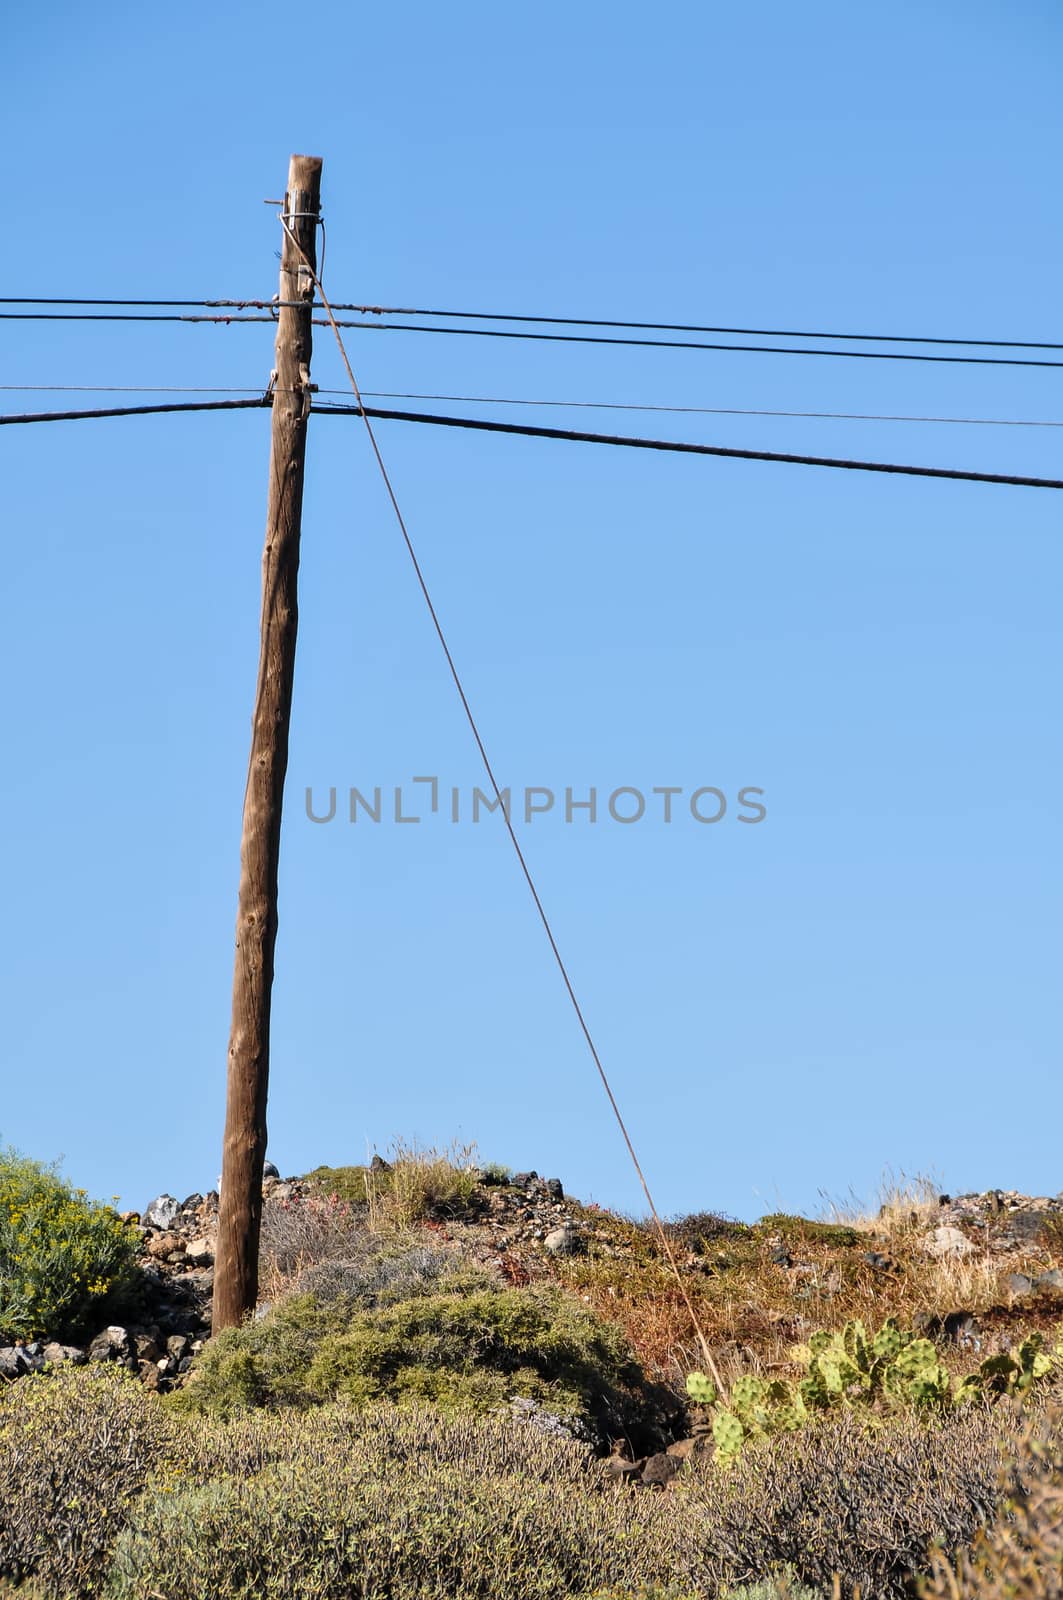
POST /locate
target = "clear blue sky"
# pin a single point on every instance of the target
(869, 978)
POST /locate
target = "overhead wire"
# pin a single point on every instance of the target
(135, 411)
(524, 400)
(582, 322)
(485, 425)
(227, 319)
(699, 327)
(694, 344)
(701, 411)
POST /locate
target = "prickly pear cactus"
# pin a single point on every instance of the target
(1014, 1373)
(891, 1370)
(916, 1377)
(854, 1342)
(890, 1340)
(729, 1435)
(701, 1390)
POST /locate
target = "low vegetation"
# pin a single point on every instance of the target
(468, 1349)
(413, 1186)
(65, 1261)
(408, 1417)
(849, 1370)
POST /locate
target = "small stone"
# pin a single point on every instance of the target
(283, 1191)
(113, 1344)
(149, 1374)
(58, 1355)
(555, 1189)
(17, 1360)
(160, 1245)
(660, 1470)
(193, 1202)
(132, 1217)
(378, 1164)
(270, 1171)
(947, 1241)
(1051, 1281)
(781, 1257)
(147, 1349)
(200, 1253)
(1019, 1285)
(162, 1212)
(178, 1345)
(201, 1281)
(185, 1364)
(562, 1241)
(521, 1180)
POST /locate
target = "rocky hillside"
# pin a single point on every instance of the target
(974, 1272)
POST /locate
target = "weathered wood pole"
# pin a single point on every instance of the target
(244, 1152)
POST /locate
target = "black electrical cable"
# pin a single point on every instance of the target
(527, 430)
(580, 322)
(135, 411)
(553, 338)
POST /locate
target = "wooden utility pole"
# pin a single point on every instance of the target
(244, 1153)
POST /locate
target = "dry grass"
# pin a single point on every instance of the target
(752, 1308)
(904, 1205)
(417, 1184)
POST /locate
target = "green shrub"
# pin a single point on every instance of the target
(65, 1261)
(463, 1351)
(702, 1231)
(76, 1448)
(354, 1185)
(263, 1363)
(398, 1504)
(495, 1172)
(800, 1230)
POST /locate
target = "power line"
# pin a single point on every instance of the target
(518, 400)
(136, 411)
(121, 316)
(552, 338)
(133, 388)
(580, 322)
(691, 344)
(697, 327)
(700, 411)
(526, 429)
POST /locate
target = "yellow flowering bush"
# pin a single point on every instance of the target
(65, 1260)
